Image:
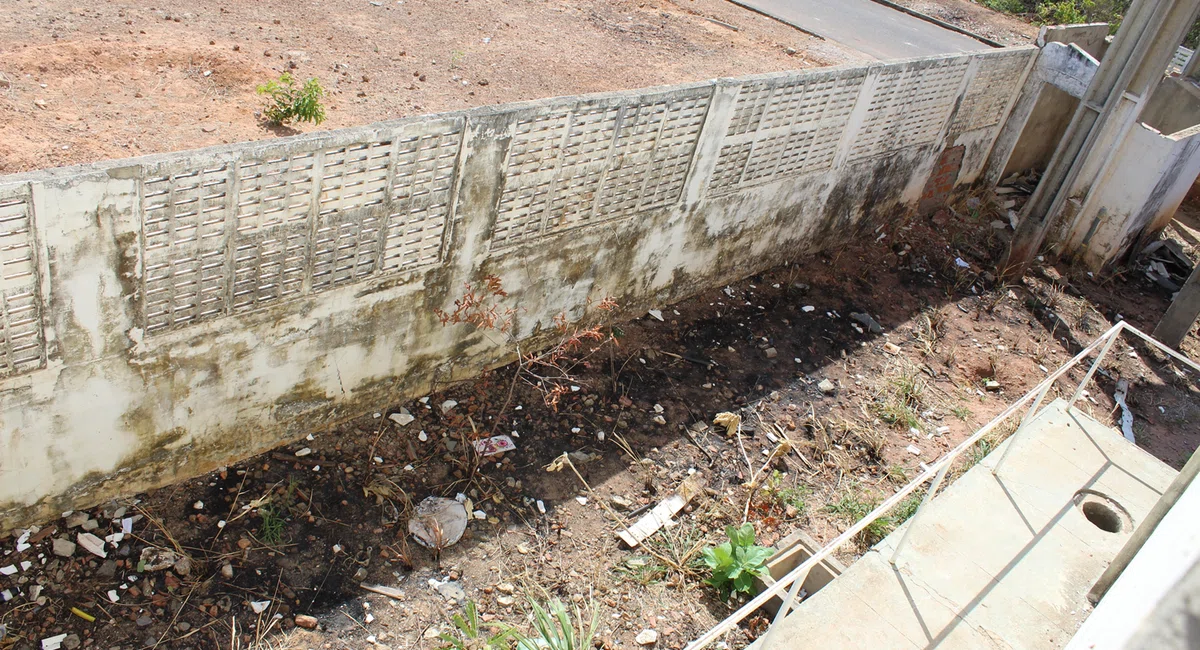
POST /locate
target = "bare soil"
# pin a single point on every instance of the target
(86, 82)
(1000, 27)
(303, 527)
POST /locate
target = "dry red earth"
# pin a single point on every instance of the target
(85, 82)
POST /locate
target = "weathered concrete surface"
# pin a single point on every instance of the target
(998, 561)
(170, 314)
(1155, 604)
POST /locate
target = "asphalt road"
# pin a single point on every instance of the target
(869, 27)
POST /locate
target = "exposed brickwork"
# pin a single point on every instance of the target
(941, 181)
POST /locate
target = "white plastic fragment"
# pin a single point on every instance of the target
(448, 404)
(402, 417)
(53, 642)
(113, 596)
(961, 263)
(656, 314)
(259, 606)
(92, 544)
(303, 452)
(912, 449)
(7, 570)
(541, 506)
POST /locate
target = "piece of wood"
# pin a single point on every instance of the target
(1182, 313)
(382, 590)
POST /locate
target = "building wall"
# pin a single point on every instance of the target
(163, 316)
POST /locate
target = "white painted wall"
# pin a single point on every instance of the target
(194, 308)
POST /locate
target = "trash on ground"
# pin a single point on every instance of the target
(662, 513)
(438, 522)
(494, 445)
(1126, 415)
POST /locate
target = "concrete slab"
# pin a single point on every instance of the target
(999, 560)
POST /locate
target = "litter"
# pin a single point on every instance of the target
(656, 314)
(1126, 415)
(382, 590)
(662, 513)
(259, 606)
(53, 642)
(494, 445)
(438, 522)
(402, 417)
(92, 544)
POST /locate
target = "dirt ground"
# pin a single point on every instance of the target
(299, 531)
(973, 17)
(86, 82)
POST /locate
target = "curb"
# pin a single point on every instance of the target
(763, 12)
(940, 23)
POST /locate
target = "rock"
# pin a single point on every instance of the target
(868, 322)
(144, 621)
(827, 387)
(999, 225)
(656, 314)
(991, 385)
(259, 606)
(505, 600)
(90, 525)
(107, 570)
(227, 571)
(305, 621)
(402, 417)
(76, 519)
(771, 353)
(621, 502)
(438, 522)
(451, 590)
(660, 420)
(448, 405)
(646, 637)
(63, 547)
(157, 559)
(891, 348)
(506, 588)
(40, 103)
(71, 642)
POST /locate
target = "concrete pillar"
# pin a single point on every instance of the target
(1182, 313)
(1130, 71)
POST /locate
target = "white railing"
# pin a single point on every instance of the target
(1180, 60)
(936, 471)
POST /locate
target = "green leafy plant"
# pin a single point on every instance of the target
(737, 562)
(783, 495)
(557, 629)
(289, 102)
(469, 635)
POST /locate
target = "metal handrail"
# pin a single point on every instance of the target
(937, 471)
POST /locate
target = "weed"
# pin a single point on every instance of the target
(557, 629)
(287, 103)
(929, 330)
(853, 507)
(468, 635)
(961, 412)
(899, 403)
(643, 570)
(270, 531)
(1006, 6)
(455, 57)
(897, 474)
(784, 496)
(979, 451)
(737, 562)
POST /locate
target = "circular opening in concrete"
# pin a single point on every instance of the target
(1104, 517)
(1103, 512)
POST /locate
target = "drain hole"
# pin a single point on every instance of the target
(1102, 516)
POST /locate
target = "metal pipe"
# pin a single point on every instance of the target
(1091, 371)
(912, 523)
(1029, 415)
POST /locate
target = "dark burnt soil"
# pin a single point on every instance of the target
(297, 531)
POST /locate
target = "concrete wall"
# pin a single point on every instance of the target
(169, 314)
(1174, 106)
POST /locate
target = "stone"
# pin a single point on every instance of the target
(868, 322)
(451, 590)
(227, 571)
(827, 387)
(305, 621)
(991, 385)
(891, 348)
(506, 588)
(646, 637)
(621, 502)
(144, 621)
(76, 519)
(107, 570)
(771, 353)
(448, 405)
(438, 522)
(505, 600)
(63, 547)
(71, 642)
(90, 525)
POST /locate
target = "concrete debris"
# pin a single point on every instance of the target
(662, 513)
(402, 417)
(827, 387)
(868, 322)
(92, 544)
(438, 522)
(621, 502)
(63, 547)
(914, 450)
(1126, 415)
(448, 405)
(646, 637)
(771, 353)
